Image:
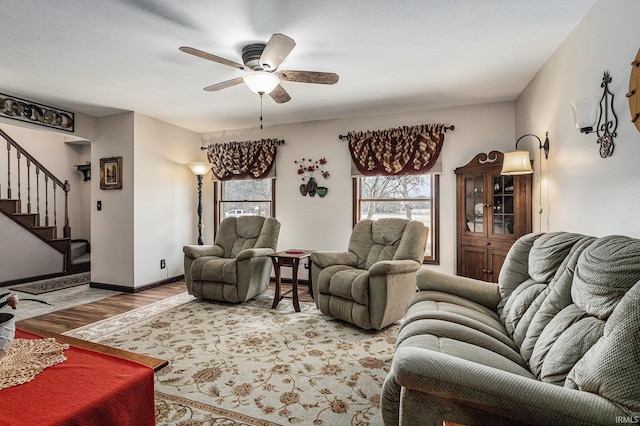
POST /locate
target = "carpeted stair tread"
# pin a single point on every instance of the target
(86, 257)
(78, 248)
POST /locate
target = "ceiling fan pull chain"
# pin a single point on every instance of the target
(261, 95)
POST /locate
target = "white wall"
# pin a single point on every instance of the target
(582, 192)
(151, 217)
(164, 199)
(82, 191)
(112, 228)
(18, 246)
(325, 223)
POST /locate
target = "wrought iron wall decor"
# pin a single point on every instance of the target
(585, 112)
(32, 112)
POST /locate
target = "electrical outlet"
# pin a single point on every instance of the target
(163, 264)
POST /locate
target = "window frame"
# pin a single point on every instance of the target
(434, 259)
(218, 194)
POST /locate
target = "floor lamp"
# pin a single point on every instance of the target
(200, 170)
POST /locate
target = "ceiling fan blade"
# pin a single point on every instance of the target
(280, 95)
(214, 58)
(314, 77)
(276, 50)
(223, 85)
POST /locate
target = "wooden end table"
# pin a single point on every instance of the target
(290, 258)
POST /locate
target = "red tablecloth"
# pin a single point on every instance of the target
(89, 388)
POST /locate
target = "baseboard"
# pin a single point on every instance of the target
(124, 289)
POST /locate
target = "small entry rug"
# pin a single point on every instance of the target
(249, 364)
(53, 284)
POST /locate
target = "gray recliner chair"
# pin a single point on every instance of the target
(370, 284)
(236, 268)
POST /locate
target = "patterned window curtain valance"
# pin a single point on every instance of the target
(241, 160)
(399, 151)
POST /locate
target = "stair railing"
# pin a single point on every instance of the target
(50, 182)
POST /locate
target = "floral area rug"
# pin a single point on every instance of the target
(249, 364)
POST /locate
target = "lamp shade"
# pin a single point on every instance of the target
(199, 169)
(516, 163)
(261, 82)
(585, 113)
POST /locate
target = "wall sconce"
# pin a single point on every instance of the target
(518, 162)
(85, 169)
(200, 170)
(586, 110)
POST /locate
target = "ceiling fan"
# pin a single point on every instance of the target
(261, 62)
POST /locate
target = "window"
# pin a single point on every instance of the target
(252, 197)
(413, 197)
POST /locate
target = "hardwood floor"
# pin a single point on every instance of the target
(67, 319)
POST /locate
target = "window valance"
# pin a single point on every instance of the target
(399, 151)
(241, 160)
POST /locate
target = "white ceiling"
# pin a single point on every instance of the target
(101, 57)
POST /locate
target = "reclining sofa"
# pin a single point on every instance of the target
(557, 341)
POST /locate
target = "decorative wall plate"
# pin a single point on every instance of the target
(634, 91)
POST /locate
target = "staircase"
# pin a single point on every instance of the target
(32, 199)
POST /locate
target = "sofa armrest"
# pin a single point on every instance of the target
(498, 392)
(254, 252)
(482, 292)
(196, 251)
(394, 267)
(328, 258)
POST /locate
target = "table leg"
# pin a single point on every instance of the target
(294, 284)
(310, 286)
(276, 296)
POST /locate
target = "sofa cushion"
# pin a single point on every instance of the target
(451, 317)
(604, 274)
(611, 368)
(555, 298)
(451, 308)
(545, 255)
(465, 350)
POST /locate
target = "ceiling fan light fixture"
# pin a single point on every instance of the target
(261, 82)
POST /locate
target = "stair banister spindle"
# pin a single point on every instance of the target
(19, 193)
(28, 185)
(46, 200)
(8, 170)
(55, 209)
(67, 228)
(38, 195)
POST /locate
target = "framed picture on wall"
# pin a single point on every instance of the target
(111, 173)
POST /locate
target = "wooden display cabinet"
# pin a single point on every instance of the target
(492, 212)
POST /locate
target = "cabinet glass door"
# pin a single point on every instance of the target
(503, 205)
(474, 204)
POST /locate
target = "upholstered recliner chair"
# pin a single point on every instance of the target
(369, 285)
(236, 268)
